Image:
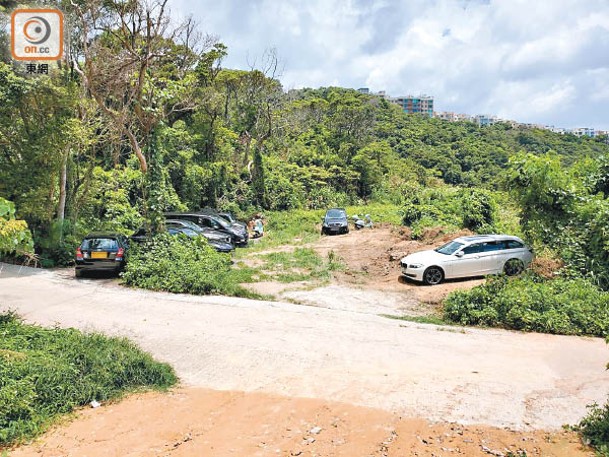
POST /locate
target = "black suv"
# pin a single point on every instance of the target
(335, 221)
(238, 233)
(102, 251)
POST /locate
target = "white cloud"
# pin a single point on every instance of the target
(542, 61)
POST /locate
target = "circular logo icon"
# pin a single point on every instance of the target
(36, 30)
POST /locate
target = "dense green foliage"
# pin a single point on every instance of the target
(595, 428)
(450, 208)
(180, 264)
(48, 372)
(15, 238)
(532, 303)
(564, 209)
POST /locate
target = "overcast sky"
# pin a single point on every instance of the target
(538, 61)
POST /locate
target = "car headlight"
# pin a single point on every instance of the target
(415, 265)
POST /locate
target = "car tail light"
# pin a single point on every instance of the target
(78, 253)
(119, 254)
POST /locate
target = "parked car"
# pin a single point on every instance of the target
(219, 241)
(238, 234)
(335, 221)
(101, 252)
(468, 256)
(210, 234)
(226, 215)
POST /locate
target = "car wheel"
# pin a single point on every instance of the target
(513, 267)
(323, 232)
(433, 276)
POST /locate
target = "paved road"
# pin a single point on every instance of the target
(440, 373)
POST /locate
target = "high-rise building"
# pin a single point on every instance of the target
(423, 104)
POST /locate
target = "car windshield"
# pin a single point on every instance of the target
(100, 244)
(225, 225)
(336, 214)
(228, 217)
(449, 248)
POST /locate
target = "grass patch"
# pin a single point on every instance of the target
(302, 264)
(45, 373)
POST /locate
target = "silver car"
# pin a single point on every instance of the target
(466, 256)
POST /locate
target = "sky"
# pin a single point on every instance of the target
(533, 61)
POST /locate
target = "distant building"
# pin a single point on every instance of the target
(363, 90)
(423, 104)
(584, 131)
(451, 116)
(484, 119)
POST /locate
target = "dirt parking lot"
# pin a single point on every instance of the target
(371, 280)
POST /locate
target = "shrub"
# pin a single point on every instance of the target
(595, 428)
(532, 303)
(180, 264)
(15, 236)
(479, 210)
(449, 207)
(48, 372)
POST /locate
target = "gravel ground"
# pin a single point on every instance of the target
(493, 377)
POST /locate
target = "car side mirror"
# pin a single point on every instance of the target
(459, 254)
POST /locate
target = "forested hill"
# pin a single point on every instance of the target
(239, 142)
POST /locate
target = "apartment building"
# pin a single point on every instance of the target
(423, 104)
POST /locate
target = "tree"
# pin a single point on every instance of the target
(126, 47)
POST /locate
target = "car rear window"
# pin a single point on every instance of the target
(100, 244)
(492, 246)
(513, 244)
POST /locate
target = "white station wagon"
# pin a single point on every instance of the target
(477, 255)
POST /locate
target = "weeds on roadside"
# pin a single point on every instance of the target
(45, 373)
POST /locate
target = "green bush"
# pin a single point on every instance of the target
(531, 303)
(479, 210)
(449, 207)
(595, 428)
(15, 237)
(48, 372)
(180, 264)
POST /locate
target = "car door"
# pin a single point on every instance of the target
(468, 264)
(491, 253)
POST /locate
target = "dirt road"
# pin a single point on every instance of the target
(471, 376)
(201, 422)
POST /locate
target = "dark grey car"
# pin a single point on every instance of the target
(101, 251)
(238, 234)
(335, 221)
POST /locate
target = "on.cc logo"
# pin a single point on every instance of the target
(37, 34)
(37, 30)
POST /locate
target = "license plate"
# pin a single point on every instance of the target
(99, 255)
